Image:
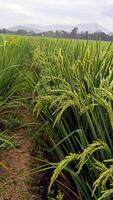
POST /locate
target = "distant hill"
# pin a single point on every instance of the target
(40, 29)
(26, 27)
(90, 27)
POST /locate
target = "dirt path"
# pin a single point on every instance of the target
(14, 185)
(17, 160)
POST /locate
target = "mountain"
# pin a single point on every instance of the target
(90, 27)
(26, 27)
(40, 29)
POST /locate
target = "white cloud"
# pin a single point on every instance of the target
(14, 12)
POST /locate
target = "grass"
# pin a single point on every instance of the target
(68, 84)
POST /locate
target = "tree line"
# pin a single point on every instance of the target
(18, 32)
(74, 34)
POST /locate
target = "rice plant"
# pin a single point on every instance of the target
(74, 97)
(68, 84)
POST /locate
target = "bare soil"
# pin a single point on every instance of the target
(17, 161)
(14, 180)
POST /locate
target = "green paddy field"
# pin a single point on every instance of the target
(66, 86)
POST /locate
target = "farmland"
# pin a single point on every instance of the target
(66, 86)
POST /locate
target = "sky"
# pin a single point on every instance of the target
(66, 12)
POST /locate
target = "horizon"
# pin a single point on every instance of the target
(57, 24)
(65, 27)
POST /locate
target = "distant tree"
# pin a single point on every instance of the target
(86, 35)
(22, 32)
(63, 34)
(74, 32)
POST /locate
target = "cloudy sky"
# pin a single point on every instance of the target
(19, 12)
